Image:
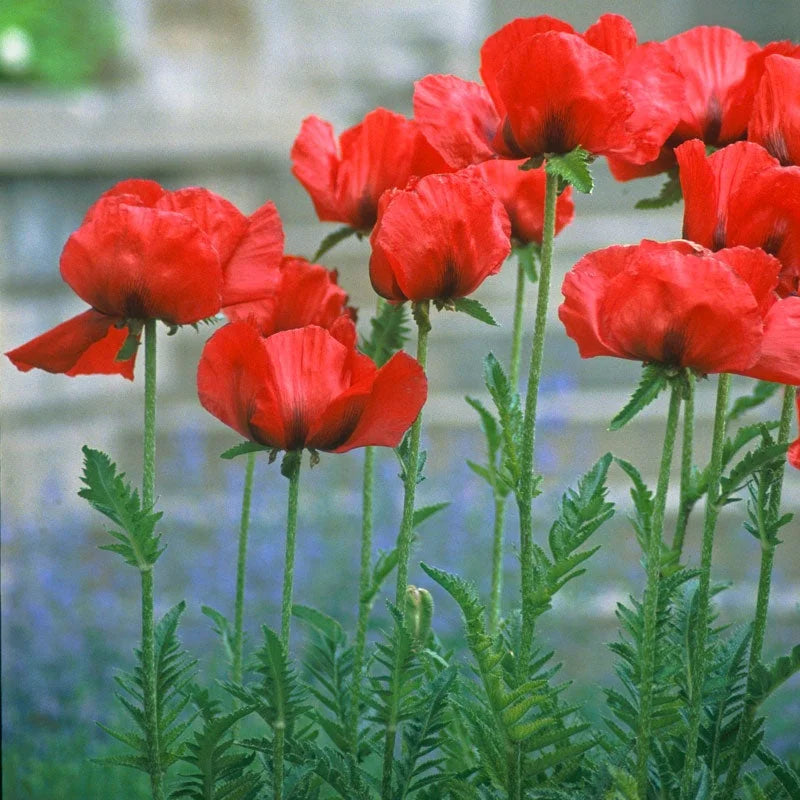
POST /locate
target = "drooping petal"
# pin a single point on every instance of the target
(398, 392)
(439, 239)
(315, 163)
(779, 358)
(253, 270)
(84, 345)
(218, 218)
(775, 121)
(457, 117)
(233, 382)
(138, 262)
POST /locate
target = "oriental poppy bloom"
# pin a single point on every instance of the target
(308, 388)
(740, 195)
(775, 121)
(304, 294)
(439, 239)
(345, 179)
(595, 90)
(146, 253)
(678, 304)
(522, 194)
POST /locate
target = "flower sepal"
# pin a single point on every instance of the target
(131, 343)
(291, 462)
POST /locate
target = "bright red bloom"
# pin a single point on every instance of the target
(438, 239)
(794, 447)
(308, 387)
(145, 253)
(304, 294)
(596, 90)
(522, 195)
(740, 195)
(681, 305)
(775, 121)
(346, 179)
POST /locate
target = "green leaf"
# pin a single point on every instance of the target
(527, 256)
(243, 449)
(332, 239)
(669, 195)
(327, 626)
(129, 347)
(766, 680)
(571, 169)
(426, 512)
(389, 332)
(475, 309)
(762, 391)
(755, 460)
(222, 629)
(652, 382)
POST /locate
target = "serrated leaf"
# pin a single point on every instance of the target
(669, 195)
(330, 628)
(426, 512)
(332, 239)
(767, 679)
(222, 629)
(489, 424)
(651, 384)
(762, 391)
(469, 305)
(571, 169)
(243, 449)
(752, 462)
(389, 331)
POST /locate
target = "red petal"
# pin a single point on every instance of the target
(219, 219)
(775, 121)
(134, 192)
(779, 359)
(315, 163)
(614, 35)
(576, 99)
(439, 239)
(397, 395)
(758, 270)
(84, 345)
(457, 117)
(252, 272)
(137, 262)
(233, 382)
(794, 447)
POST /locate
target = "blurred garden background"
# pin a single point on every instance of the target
(212, 93)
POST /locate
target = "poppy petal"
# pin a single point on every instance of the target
(794, 448)
(315, 163)
(779, 360)
(775, 121)
(614, 35)
(84, 345)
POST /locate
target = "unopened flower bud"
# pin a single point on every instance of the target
(418, 613)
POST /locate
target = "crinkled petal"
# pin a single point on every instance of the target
(315, 163)
(134, 192)
(775, 121)
(779, 359)
(758, 269)
(84, 345)
(614, 35)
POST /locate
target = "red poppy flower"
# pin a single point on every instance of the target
(438, 239)
(145, 253)
(304, 294)
(522, 195)
(740, 195)
(346, 179)
(308, 387)
(679, 304)
(775, 121)
(794, 447)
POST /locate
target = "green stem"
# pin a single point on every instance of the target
(149, 690)
(524, 492)
(244, 525)
(364, 605)
(653, 564)
(495, 601)
(687, 455)
(519, 310)
(762, 602)
(704, 584)
(291, 534)
(404, 538)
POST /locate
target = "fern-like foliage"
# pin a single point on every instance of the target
(107, 491)
(509, 417)
(218, 770)
(174, 673)
(389, 330)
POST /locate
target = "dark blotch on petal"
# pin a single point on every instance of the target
(557, 132)
(718, 237)
(673, 347)
(775, 145)
(712, 124)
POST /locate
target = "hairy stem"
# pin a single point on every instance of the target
(523, 254)
(291, 534)
(653, 564)
(149, 690)
(524, 492)
(241, 564)
(762, 602)
(704, 585)
(496, 592)
(687, 455)
(364, 605)
(421, 312)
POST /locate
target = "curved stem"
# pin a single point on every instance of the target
(653, 563)
(524, 492)
(687, 455)
(421, 312)
(762, 601)
(149, 689)
(364, 605)
(291, 534)
(241, 564)
(704, 584)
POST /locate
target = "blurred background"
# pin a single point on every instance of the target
(212, 93)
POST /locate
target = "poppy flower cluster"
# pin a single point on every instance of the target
(143, 253)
